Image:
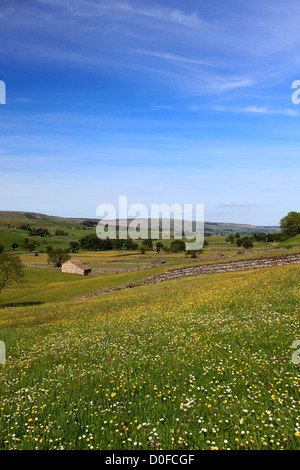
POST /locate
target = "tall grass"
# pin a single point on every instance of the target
(197, 363)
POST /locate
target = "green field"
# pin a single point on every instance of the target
(10, 232)
(203, 362)
(194, 363)
(291, 242)
(51, 285)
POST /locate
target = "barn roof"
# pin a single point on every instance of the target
(78, 264)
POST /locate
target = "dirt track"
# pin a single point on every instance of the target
(223, 266)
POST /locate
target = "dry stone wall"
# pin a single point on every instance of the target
(223, 266)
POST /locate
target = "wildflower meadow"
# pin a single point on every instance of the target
(197, 363)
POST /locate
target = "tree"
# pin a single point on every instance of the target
(159, 245)
(74, 247)
(247, 243)
(148, 243)
(193, 253)
(14, 246)
(260, 237)
(90, 223)
(130, 244)
(60, 233)
(239, 241)
(230, 238)
(11, 270)
(39, 232)
(93, 243)
(1, 248)
(29, 246)
(58, 257)
(290, 224)
(177, 246)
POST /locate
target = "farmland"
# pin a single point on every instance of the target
(199, 362)
(61, 231)
(194, 363)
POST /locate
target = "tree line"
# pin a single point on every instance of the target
(42, 232)
(289, 227)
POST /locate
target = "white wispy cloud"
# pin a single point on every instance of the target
(175, 58)
(227, 212)
(258, 110)
(172, 15)
(267, 110)
(160, 107)
(235, 204)
(24, 100)
(222, 54)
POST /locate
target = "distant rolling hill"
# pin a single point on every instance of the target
(16, 228)
(228, 228)
(14, 219)
(223, 228)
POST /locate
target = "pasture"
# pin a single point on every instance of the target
(198, 363)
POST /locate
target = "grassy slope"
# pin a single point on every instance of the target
(44, 285)
(291, 242)
(47, 286)
(186, 364)
(10, 232)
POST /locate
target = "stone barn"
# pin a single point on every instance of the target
(158, 262)
(73, 266)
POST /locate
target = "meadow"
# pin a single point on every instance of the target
(197, 363)
(110, 269)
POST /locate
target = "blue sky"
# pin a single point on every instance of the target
(161, 101)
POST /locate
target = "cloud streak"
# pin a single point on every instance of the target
(258, 110)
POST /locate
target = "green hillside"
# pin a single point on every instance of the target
(291, 242)
(194, 363)
(10, 231)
